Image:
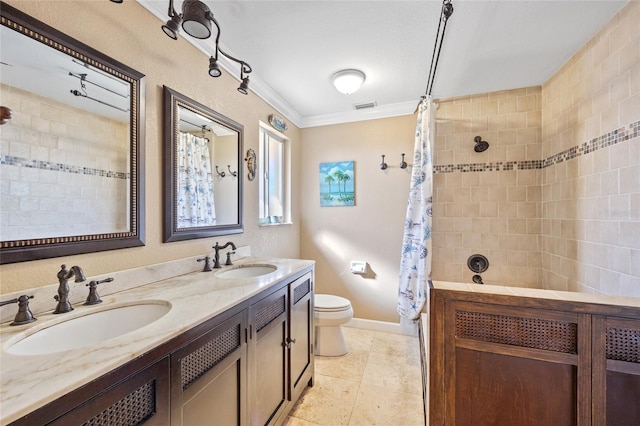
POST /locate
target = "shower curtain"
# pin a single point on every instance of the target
(195, 183)
(415, 264)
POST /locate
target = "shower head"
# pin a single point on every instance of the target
(481, 146)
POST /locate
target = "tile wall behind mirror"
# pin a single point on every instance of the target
(71, 155)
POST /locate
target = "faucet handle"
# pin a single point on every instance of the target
(94, 298)
(24, 315)
(229, 253)
(207, 264)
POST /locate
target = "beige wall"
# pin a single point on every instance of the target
(131, 35)
(488, 202)
(372, 229)
(591, 203)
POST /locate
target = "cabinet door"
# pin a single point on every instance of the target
(208, 377)
(301, 330)
(268, 373)
(141, 398)
(502, 362)
(616, 371)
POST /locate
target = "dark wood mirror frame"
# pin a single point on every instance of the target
(172, 101)
(42, 248)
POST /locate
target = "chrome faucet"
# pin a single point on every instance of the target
(63, 289)
(216, 257)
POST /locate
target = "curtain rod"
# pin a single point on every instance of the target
(445, 14)
(203, 127)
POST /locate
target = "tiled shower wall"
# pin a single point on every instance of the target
(62, 170)
(591, 201)
(558, 210)
(489, 202)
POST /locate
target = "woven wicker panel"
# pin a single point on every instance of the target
(208, 355)
(269, 313)
(623, 344)
(557, 336)
(131, 410)
(301, 291)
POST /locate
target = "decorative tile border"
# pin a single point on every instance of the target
(611, 138)
(60, 167)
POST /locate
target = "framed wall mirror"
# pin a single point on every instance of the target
(72, 155)
(202, 170)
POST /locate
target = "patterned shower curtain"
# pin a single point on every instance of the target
(195, 183)
(415, 264)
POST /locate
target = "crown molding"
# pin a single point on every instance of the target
(377, 112)
(261, 89)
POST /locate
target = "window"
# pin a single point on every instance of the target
(274, 176)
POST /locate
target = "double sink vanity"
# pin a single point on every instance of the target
(232, 346)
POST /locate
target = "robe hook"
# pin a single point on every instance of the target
(234, 174)
(403, 164)
(219, 173)
(383, 165)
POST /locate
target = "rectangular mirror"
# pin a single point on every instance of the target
(71, 156)
(202, 170)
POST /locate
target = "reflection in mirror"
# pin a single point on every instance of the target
(202, 170)
(71, 169)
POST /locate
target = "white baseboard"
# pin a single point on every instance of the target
(387, 327)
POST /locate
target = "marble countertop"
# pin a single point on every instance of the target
(28, 382)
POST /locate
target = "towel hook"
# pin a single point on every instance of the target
(383, 165)
(234, 174)
(220, 174)
(403, 164)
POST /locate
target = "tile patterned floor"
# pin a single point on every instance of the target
(377, 383)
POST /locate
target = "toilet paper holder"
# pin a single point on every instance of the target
(358, 267)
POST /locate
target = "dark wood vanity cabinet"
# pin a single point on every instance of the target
(281, 350)
(208, 376)
(268, 357)
(141, 398)
(125, 396)
(301, 329)
(245, 366)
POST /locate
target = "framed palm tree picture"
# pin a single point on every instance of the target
(337, 186)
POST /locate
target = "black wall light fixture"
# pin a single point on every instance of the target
(196, 19)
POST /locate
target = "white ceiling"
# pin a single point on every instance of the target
(295, 46)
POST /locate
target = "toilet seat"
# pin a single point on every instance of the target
(331, 303)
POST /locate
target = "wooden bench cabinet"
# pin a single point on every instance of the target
(499, 359)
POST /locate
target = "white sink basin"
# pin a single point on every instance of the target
(248, 271)
(89, 329)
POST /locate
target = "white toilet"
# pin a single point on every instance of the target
(330, 313)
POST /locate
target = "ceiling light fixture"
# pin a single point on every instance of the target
(196, 19)
(348, 81)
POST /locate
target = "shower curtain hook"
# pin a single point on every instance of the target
(383, 165)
